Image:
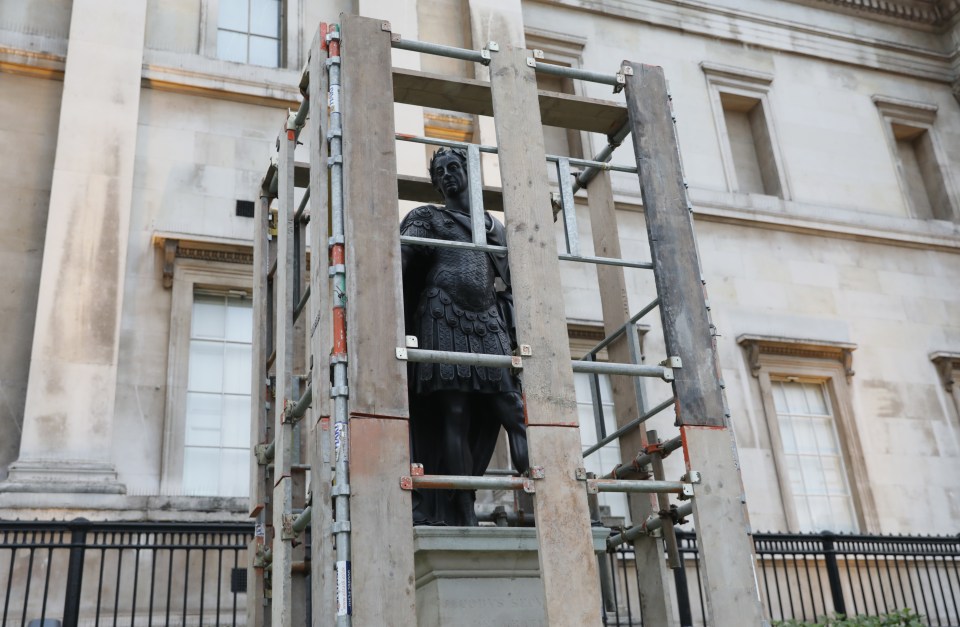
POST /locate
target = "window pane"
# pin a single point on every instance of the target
(235, 472)
(206, 366)
(203, 419)
(239, 324)
(787, 435)
(236, 421)
(803, 431)
(201, 471)
(813, 477)
(233, 15)
(843, 518)
(231, 46)
(265, 17)
(796, 402)
(820, 514)
(236, 370)
(208, 316)
(779, 398)
(264, 51)
(816, 400)
(826, 437)
(833, 475)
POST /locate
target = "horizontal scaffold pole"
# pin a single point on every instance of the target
(477, 56)
(645, 486)
(460, 482)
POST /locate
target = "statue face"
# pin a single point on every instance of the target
(450, 174)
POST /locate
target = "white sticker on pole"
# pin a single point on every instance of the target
(344, 589)
(259, 531)
(334, 101)
(338, 431)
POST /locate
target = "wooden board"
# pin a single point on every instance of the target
(381, 522)
(282, 500)
(319, 341)
(473, 96)
(673, 249)
(563, 520)
(259, 419)
(723, 533)
(726, 552)
(653, 575)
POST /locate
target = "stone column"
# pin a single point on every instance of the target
(68, 418)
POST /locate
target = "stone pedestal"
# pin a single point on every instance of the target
(470, 576)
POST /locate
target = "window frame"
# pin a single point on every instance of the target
(829, 363)
(188, 276)
(724, 79)
(922, 117)
(563, 49)
(948, 368)
(291, 35)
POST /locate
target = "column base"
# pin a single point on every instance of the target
(62, 476)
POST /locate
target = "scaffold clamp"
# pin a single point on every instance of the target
(411, 341)
(691, 476)
(672, 362)
(287, 532)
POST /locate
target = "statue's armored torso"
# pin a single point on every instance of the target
(457, 306)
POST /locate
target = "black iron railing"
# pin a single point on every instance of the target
(807, 576)
(110, 574)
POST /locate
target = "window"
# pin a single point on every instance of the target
(206, 447)
(811, 451)
(813, 433)
(216, 447)
(748, 144)
(927, 188)
(248, 31)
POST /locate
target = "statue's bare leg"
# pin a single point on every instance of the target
(457, 458)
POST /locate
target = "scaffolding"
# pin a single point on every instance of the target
(330, 408)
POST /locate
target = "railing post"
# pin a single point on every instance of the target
(833, 573)
(71, 604)
(683, 593)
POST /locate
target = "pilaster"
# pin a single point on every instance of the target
(68, 417)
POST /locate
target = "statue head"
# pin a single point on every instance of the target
(448, 171)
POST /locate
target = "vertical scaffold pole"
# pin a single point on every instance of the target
(653, 575)
(261, 485)
(560, 502)
(726, 549)
(381, 525)
(319, 342)
(282, 501)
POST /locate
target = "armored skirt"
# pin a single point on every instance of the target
(445, 326)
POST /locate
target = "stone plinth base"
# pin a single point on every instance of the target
(481, 576)
(62, 476)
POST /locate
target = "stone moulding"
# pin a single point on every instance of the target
(948, 365)
(757, 345)
(176, 246)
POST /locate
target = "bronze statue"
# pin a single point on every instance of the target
(451, 303)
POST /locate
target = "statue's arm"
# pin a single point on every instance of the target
(417, 223)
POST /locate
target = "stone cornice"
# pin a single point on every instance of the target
(928, 12)
(757, 345)
(888, 52)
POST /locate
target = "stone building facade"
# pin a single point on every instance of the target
(821, 143)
